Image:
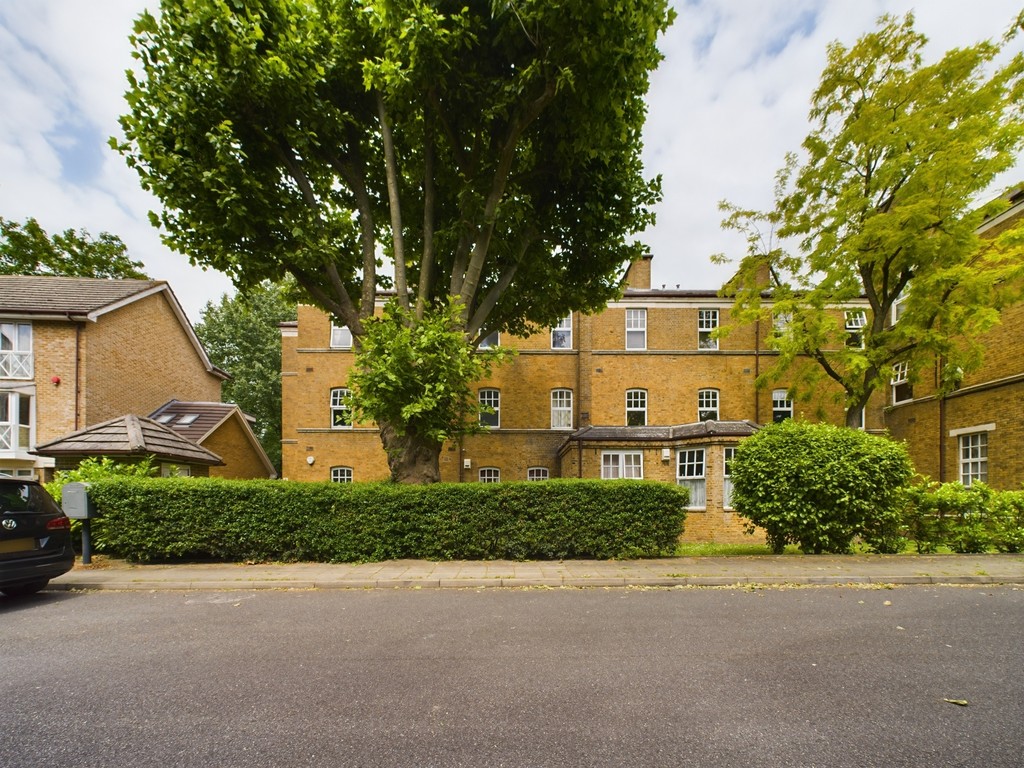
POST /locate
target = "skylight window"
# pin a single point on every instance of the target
(187, 419)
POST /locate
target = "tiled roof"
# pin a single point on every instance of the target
(194, 420)
(130, 436)
(696, 431)
(20, 294)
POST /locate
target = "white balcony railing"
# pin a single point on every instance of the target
(15, 365)
(15, 437)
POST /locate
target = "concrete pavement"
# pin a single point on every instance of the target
(661, 572)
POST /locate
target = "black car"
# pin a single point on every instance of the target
(35, 538)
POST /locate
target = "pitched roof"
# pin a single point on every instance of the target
(695, 431)
(82, 296)
(198, 420)
(86, 298)
(130, 436)
(195, 420)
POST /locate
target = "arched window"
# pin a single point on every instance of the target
(490, 399)
(707, 405)
(561, 409)
(636, 407)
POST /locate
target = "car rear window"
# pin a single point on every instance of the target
(25, 497)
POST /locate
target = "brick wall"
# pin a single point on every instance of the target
(991, 395)
(53, 352)
(138, 357)
(231, 441)
(598, 370)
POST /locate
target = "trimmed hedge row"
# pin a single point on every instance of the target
(974, 519)
(169, 518)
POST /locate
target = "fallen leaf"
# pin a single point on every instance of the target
(958, 702)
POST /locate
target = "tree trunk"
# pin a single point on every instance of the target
(411, 458)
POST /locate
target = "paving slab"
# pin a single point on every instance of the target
(662, 572)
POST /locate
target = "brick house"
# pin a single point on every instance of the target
(223, 429)
(975, 433)
(643, 389)
(76, 352)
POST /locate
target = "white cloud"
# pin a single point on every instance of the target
(729, 101)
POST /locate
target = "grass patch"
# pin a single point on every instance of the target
(711, 549)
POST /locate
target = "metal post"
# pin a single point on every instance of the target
(86, 542)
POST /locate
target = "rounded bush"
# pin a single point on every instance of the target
(819, 486)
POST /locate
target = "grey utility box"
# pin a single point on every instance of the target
(76, 502)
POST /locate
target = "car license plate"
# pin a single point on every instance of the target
(17, 545)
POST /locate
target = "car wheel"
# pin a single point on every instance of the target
(23, 590)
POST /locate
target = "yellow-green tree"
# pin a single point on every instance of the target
(882, 204)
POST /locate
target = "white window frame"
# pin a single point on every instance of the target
(899, 307)
(728, 454)
(782, 405)
(636, 403)
(636, 329)
(708, 400)
(341, 337)
(535, 474)
(340, 408)
(16, 351)
(622, 465)
(20, 473)
(490, 396)
(781, 321)
(341, 474)
(561, 409)
(901, 381)
(856, 320)
(707, 324)
(16, 435)
(170, 469)
(561, 333)
(489, 475)
(860, 424)
(691, 473)
(490, 341)
(972, 457)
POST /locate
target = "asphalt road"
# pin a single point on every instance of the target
(597, 677)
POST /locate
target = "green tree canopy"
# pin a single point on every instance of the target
(485, 154)
(882, 205)
(26, 249)
(241, 335)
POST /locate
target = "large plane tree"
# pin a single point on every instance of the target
(480, 160)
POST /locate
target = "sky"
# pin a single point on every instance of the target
(726, 104)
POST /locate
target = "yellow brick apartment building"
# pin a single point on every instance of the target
(975, 433)
(644, 389)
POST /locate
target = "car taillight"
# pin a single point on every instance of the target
(58, 524)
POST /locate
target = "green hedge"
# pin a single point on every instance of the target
(169, 518)
(974, 519)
